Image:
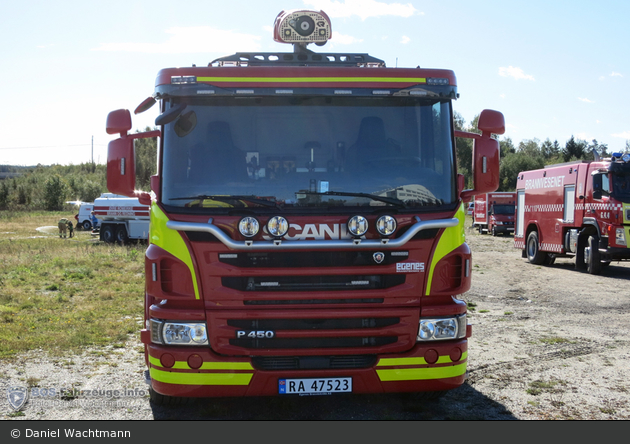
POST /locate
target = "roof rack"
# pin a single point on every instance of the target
(303, 57)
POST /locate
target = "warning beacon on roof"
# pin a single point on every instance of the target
(302, 27)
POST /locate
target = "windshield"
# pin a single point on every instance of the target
(503, 209)
(620, 186)
(297, 152)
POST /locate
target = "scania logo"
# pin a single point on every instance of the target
(314, 231)
(378, 257)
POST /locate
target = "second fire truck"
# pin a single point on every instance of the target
(579, 209)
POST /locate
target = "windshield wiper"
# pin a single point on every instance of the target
(228, 198)
(389, 200)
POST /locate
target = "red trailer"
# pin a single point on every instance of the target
(579, 209)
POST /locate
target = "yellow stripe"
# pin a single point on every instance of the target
(390, 362)
(206, 365)
(201, 378)
(409, 374)
(314, 79)
(171, 241)
(451, 239)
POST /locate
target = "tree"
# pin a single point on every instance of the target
(146, 161)
(55, 193)
(530, 147)
(463, 148)
(4, 195)
(574, 150)
(513, 164)
(594, 147)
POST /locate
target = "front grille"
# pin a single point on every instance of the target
(313, 259)
(311, 324)
(313, 283)
(315, 301)
(306, 343)
(313, 362)
(363, 331)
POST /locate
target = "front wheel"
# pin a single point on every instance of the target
(592, 256)
(534, 255)
(87, 225)
(159, 399)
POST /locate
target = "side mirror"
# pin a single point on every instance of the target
(118, 122)
(121, 167)
(485, 166)
(121, 156)
(491, 122)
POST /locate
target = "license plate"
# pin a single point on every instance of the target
(314, 386)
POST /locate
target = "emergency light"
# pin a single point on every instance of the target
(302, 27)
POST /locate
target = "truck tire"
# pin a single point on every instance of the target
(422, 396)
(159, 399)
(592, 256)
(107, 233)
(494, 231)
(121, 235)
(87, 225)
(534, 255)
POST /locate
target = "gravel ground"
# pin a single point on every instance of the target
(548, 343)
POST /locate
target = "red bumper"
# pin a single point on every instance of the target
(199, 372)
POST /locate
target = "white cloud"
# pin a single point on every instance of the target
(344, 39)
(615, 74)
(502, 96)
(624, 135)
(516, 73)
(191, 40)
(362, 8)
(405, 40)
(584, 99)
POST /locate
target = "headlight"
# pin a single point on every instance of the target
(443, 328)
(386, 225)
(178, 333)
(357, 225)
(248, 226)
(620, 236)
(277, 226)
(498, 222)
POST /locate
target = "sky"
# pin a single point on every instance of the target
(554, 68)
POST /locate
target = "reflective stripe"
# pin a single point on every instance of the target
(200, 378)
(451, 239)
(408, 374)
(313, 79)
(387, 362)
(206, 365)
(171, 241)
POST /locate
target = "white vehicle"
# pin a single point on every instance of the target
(122, 218)
(83, 217)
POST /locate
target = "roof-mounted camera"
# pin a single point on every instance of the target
(302, 27)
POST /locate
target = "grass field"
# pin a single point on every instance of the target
(60, 294)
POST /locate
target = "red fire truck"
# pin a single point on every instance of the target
(494, 213)
(307, 223)
(579, 209)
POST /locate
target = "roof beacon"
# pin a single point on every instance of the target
(302, 28)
